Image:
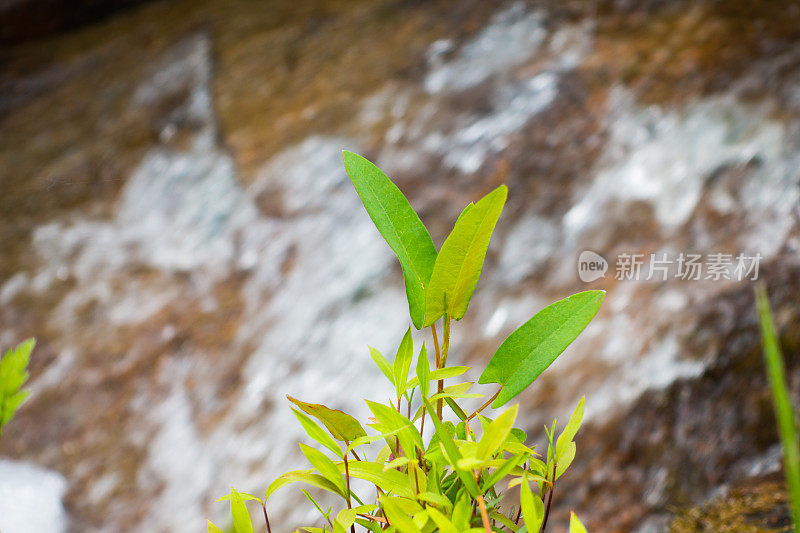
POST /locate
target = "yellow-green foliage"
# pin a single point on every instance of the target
(453, 480)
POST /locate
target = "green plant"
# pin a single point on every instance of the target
(13, 375)
(452, 481)
(784, 412)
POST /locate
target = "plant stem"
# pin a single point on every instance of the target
(266, 518)
(443, 362)
(484, 515)
(550, 495)
(347, 479)
(484, 406)
(374, 518)
(436, 344)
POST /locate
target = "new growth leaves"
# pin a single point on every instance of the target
(13, 375)
(451, 477)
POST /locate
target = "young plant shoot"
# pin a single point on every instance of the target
(454, 477)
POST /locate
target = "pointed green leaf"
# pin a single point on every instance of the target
(456, 391)
(565, 459)
(346, 518)
(496, 433)
(397, 517)
(532, 507)
(212, 528)
(402, 362)
(423, 372)
(459, 263)
(452, 450)
(281, 481)
(439, 373)
(442, 522)
(317, 433)
(382, 363)
(785, 414)
(239, 513)
(13, 375)
(313, 502)
(326, 467)
(307, 476)
(246, 497)
(533, 347)
(389, 481)
(503, 471)
(391, 420)
(575, 525)
(399, 225)
(506, 521)
(571, 429)
(341, 425)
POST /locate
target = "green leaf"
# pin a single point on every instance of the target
(423, 372)
(456, 409)
(317, 433)
(361, 441)
(382, 363)
(571, 429)
(439, 373)
(452, 450)
(565, 459)
(212, 528)
(533, 347)
(532, 507)
(389, 481)
(399, 225)
(346, 517)
(314, 503)
(246, 497)
(459, 263)
(456, 391)
(503, 471)
(506, 521)
(13, 375)
(441, 521)
(341, 425)
(391, 420)
(402, 362)
(278, 483)
(326, 467)
(575, 525)
(781, 398)
(308, 477)
(397, 517)
(496, 433)
(241, 518)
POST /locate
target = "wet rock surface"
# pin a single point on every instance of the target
(755, 505)
(177, 231)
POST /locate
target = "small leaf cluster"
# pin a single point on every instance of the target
(13, 375)
(455, 477)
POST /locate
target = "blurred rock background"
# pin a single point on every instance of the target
(177, 231)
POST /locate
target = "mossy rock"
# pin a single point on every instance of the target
(753, 507)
